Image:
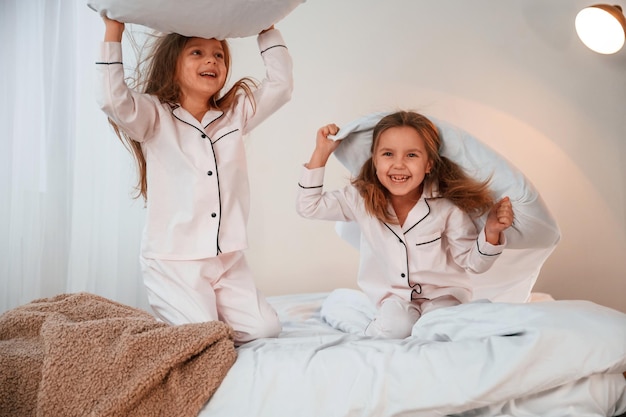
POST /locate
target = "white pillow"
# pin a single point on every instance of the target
(219, 19)
(530, 240)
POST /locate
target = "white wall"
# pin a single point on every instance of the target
(512, 73)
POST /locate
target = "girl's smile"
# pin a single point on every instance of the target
(397, 178)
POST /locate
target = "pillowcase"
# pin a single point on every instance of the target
(219, 19)
(530, 240)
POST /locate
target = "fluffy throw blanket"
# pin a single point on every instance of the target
(84, 355)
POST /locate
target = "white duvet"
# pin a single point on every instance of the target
(555, 358)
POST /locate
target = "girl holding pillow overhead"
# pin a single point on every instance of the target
(186, 135)
(414, 208)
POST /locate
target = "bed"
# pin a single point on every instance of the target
(81, 354)
(552, 358)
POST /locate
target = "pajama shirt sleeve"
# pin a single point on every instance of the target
(276, 88)
(313, 203)
(469, 250)
(136, 114)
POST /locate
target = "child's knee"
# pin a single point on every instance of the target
(394, 320)
(269, 328)
(262, 330)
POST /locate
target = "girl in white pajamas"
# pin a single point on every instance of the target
(414, 207)
(187, 138)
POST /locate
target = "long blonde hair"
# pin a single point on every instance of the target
(470, 195)
(160, 81)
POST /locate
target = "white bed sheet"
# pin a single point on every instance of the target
(555, 358)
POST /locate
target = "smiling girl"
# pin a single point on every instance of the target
(414, 208)
(186, 135)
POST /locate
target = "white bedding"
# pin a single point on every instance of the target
(554, 358)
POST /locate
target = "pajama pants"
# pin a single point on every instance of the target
(395, 318)
(351, 311)
(219, 288)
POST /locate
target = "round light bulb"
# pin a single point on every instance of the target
(600, 30)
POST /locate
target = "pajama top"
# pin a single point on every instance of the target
(431, 255)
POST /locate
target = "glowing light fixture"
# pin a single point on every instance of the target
(602, 28)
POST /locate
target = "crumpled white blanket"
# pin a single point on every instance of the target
(549, 359)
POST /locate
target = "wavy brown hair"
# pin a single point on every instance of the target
(470, 195)
(159, 80)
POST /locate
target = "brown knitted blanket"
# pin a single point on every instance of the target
(84, 355)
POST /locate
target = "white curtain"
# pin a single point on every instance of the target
(68, 222)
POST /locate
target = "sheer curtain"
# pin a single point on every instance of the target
(68, 222)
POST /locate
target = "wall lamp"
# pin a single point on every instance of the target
(602, 28)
